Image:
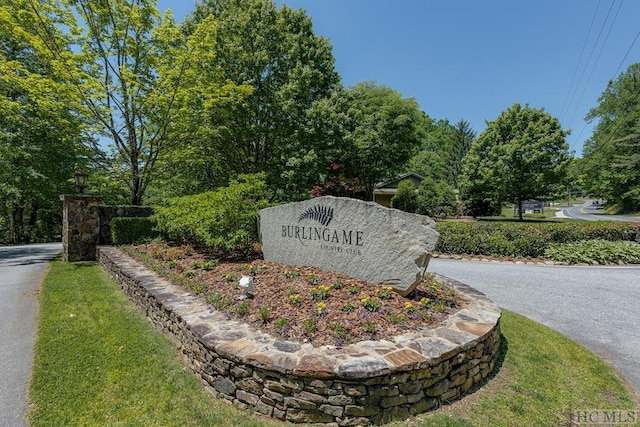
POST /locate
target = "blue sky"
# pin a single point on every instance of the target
(471, 60)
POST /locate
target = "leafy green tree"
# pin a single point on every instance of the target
(373, 132)
(134, 71)
(276, 53)
(41, 133)
(405, 198)
(442, 151)
(436, 199)
(610, 168)
(630, 168)
(521, 155)
(431, 157)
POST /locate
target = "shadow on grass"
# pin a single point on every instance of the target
(81, 265)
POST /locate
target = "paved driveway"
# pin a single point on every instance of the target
(595, 306)
(21, 271)
(590, 212)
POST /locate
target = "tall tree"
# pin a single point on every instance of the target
(462, 137)
(521, 155)
(41, 133)
(132, 68)
(276, 52)
(441, 154)
(610, 168)
(432, 155)
(376, 131)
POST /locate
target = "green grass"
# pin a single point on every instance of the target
(99, 362)
(508, 215)
(543, 377)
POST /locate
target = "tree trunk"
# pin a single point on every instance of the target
(17, 216)
(136, 193)
(33, 215)
(136, 184)
(520, 218)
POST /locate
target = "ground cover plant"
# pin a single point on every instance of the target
(99, 362)
(595, 252)
(301, 303)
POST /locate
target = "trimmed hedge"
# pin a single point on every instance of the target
(529, 240)
(128, 230)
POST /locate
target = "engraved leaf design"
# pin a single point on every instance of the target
(322, 214)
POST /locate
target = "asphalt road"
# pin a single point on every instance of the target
(21, 271)
(590, 212)
(594, 306)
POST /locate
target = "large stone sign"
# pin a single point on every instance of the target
(361, 239)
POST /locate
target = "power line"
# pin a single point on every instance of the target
(619, 122)
(627, 54)
(586, 85)
(575, 72)
(586, 65)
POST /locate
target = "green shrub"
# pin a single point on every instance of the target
(592, 230)
(406, 198)
(436, 199)
(590, 251)
(465, 238)
(127, 230)
(528, 240)
(225, 219)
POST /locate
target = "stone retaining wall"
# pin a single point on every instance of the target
(370, 382)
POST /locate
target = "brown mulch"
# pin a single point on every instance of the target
(290, 302)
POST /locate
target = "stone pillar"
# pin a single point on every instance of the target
(80, 226)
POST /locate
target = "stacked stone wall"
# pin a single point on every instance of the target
(80, 227)
(360, 384)
(86, 224)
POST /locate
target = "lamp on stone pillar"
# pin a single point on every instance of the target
(81, 180)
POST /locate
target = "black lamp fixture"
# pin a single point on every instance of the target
(81, 180)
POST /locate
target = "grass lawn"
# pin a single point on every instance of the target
(543, 377)
(508, 214)
(99, 362)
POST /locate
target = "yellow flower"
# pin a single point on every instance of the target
(424, 302)
(320, 307)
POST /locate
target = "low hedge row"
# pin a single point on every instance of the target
(526, 240)
(127, 230)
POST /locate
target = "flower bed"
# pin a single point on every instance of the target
(357, 384)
